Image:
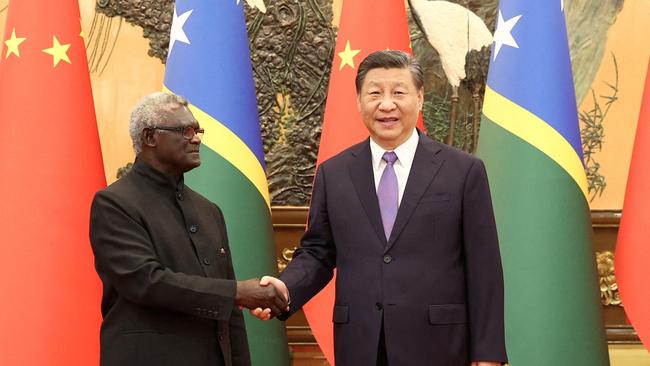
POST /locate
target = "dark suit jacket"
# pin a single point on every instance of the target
(161, 251)
(437, 282)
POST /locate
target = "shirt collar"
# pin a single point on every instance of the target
(405, 152)
(157, 176)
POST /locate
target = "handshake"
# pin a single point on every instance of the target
(265, 298)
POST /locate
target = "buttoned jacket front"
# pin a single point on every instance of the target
(162, 253)
(436, 284)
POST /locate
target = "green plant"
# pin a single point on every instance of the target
(593, 134)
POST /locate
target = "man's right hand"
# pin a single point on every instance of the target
(250, 294)
(265, 313)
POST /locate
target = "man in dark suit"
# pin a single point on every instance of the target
(161, 250)
(408, 224)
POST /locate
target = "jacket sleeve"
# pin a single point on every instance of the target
(126, 258)
(313, 263)
(483, 269)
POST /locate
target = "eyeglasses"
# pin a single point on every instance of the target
(188, 132)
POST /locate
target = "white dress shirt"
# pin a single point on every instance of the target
(405, 154)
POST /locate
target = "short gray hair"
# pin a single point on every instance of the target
(390, 59)
(149, 111)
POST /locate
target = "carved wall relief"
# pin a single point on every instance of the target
(292, 45)
(608, 287)
(153, 16)
(286, 257)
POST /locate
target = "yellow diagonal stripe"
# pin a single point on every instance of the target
(229, 146)
(532, 129)
(225, 143)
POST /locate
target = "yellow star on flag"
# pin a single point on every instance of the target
(58, 52)
(347, 56)
(81, 33)
(12, 44)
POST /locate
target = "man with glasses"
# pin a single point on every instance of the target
(161, 250)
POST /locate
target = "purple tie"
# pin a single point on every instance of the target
(387, 193)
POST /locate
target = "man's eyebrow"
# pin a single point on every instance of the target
(372, 82)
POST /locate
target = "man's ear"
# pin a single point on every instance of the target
(149, 137)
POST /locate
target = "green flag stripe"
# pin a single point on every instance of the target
(553, 314)
(536, 132)
(250, 235)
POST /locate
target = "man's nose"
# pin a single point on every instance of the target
(386, 104)
(196, 139)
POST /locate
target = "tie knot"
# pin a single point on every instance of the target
(390, 157)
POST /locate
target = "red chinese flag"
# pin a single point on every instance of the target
(366, 26)
(633, 243)
(50, 167)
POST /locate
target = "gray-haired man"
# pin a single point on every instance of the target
(161, 250)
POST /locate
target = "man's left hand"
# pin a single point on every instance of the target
(485, 363)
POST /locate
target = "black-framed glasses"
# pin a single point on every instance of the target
(188, 132)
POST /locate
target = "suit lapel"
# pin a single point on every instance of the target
(426, 164)
(363, 180)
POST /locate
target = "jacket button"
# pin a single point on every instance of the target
(388, 259)
(194, 228)
(379, 306)
(206, 261)
(179, 195)
(220, 338)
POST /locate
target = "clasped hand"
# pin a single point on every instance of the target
(254, 294)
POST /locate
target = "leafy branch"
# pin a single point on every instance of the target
(593, 134)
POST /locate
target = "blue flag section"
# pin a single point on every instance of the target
(530, 143)
(209, 64)
(536, 67)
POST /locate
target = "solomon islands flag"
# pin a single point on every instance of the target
(209, 64)
(530, 142)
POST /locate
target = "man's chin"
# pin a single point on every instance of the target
(384, 135)
(193, 164)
